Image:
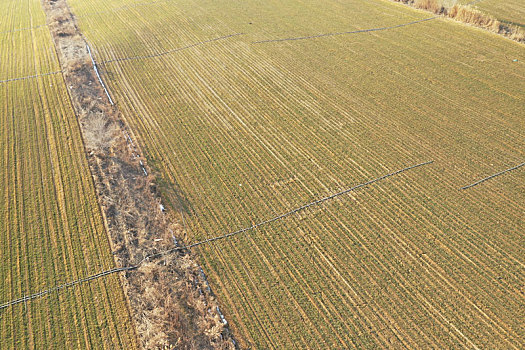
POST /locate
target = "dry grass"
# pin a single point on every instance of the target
(475, 17)
(469, 15)
(99, 132)
(435, 6)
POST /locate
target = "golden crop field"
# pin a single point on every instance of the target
(242, 129)
(510, 11)
(51, 229)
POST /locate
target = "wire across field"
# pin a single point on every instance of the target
(241, 132)
(29, 77)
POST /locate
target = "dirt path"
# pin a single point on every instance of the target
(168, 299)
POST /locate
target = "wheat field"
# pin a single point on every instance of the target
(51, 229)
(241, 129)
(247, 110)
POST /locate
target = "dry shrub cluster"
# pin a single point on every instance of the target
(167, 301)
(473, 16)
(163, 302)
(470, 15)
(435, 6)
(99, 132)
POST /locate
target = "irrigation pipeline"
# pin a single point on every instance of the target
(173, 50)
(62, 286)
(492, 176)
(209, 240)
(30, 77)
(212, 40)
(21, 29)
(342, 33)
(319, 201)
(98, 75)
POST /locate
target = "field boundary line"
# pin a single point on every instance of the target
(492, 176)
(343, 33)
(209, 240)
(31, 76)
(173, 50)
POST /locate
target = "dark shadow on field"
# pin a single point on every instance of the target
(169, 190)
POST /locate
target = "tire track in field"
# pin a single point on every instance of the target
(466, 296)
(383, 269)
(333, 260)
(294, 274)
(433, 270)
(436, 270)
(386, 267)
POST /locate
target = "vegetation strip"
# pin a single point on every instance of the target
(492, 176)
(30, 77)
(167, 299)
(170, 251)
(174, 50)
(343, 33)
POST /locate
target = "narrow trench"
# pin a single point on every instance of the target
(169, 298)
